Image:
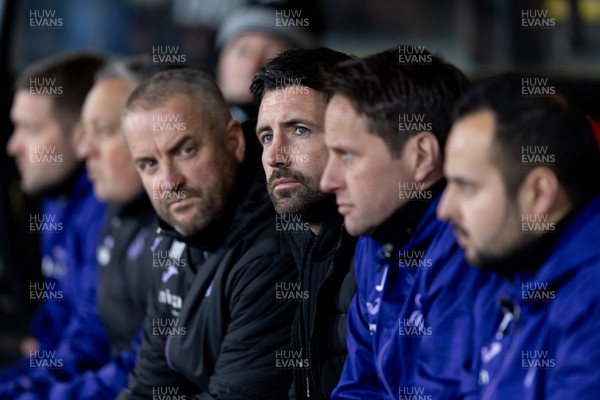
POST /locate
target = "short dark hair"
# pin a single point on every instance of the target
(524, 120)
(304, 67)
(73, 73)
(386, 85)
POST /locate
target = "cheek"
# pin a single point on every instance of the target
(148, 184)
(111, 155)
(48, 137)
(235, 70)
(378, 180)
(118, 160)
(268, 170)
(319, 158)
(363, 187)
(204, 170)
(311, 164)
(485, 216)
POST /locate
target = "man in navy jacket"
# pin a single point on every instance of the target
(385, 127)
(46, 113)
(523, 197)
(123, 256)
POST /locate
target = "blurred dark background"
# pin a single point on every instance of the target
(482, 37)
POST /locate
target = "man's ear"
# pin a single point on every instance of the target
(423, 153)
(234, 140)
(539, 191)
(76, 133)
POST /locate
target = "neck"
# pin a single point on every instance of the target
(320, 213)
(65, 186)
(561, 207)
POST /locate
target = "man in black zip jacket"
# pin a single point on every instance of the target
(292, 100)
(213, 323)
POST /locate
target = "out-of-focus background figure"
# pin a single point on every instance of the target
(46, 116)
(246, 40)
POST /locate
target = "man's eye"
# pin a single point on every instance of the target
(105, 130)
(302, 130)
(146, 165)
(346, 156)
(266, 138)
(467, 188)
(187, 151)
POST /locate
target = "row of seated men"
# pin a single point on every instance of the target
(384, 229)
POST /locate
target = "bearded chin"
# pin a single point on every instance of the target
(285, 202)
(313, 206)
(488, 262)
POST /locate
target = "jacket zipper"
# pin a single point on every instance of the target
(313, 318)
(386, 252)
(490, 393)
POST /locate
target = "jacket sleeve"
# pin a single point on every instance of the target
(46, 319)
(447, 292)
(259, 326)
(359, 378)
(103, 384)
(50, 320)
(83, 344)
(151, 370)
(577, 357)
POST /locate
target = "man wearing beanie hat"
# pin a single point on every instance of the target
(249, 37)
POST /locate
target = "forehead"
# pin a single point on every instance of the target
(293, 98)
(344, 125)
(177, 108)
(26, 105)
(109, 95)
(257, 39)
(113, 86)
(179, 116)
(470, 141)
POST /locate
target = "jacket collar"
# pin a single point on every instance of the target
(76, 182)
(325, 241)
(573, 243)
(399, 228)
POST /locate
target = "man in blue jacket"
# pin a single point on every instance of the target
(123, 254)
(523, 197)
(385, 127)
(46, 113)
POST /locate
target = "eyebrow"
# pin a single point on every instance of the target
(460, 180)
(178, 143)
(96, 121)
(286, 123)
(170, 150)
